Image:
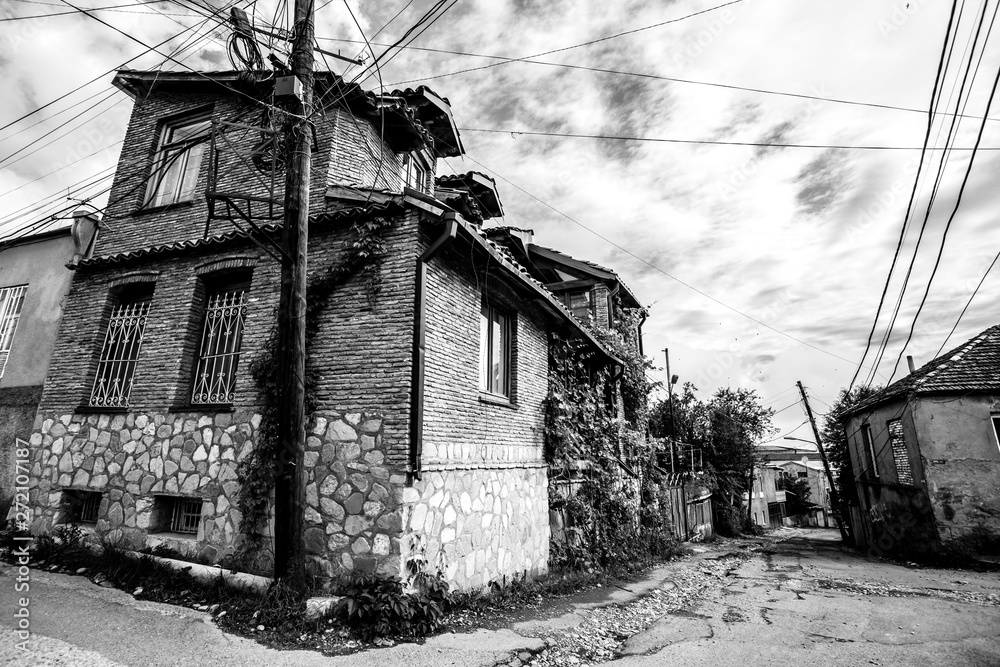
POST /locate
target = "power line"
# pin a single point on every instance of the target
(657, 77)
(574, 46)
(951, 219)
(710, 142)
(654, 267)
(950, 138)
(967, 304)
(902, 233)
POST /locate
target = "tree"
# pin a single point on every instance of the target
(835, 440)
(797, 492)
(726, 429)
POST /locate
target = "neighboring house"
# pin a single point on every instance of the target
(819, 491)
(34, 280)
(926, 455)
(425, 438)
(767, 501)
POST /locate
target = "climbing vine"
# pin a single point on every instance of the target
(603, 483)
(362, 252)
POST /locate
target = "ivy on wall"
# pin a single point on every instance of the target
(603, 483)
(257, 473)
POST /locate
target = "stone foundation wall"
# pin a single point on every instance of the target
(479, 525)
(352, 515)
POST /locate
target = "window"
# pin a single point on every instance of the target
(178, 160)
(581, 304)
(177, 515)
(414, 172)
(120, 352)
(80, 506)
(900, 456)
(869, 447)
(494, 351)
(804, 474)
(11, 300)
(221, 340)
(996, 428)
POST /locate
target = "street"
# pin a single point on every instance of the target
(800, 600)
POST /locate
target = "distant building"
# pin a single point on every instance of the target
(766, 499)
(34, 282)
(821, 515)
(926, 454)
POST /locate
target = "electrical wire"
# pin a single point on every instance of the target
(710, 142)
(938, 79)
(967, 304)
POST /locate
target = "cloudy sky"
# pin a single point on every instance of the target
(762, 265)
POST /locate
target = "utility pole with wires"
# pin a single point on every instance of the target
(670, 394)
(834, 496)
(295, 92)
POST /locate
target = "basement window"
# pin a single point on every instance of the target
(175, 514)
(80, 506)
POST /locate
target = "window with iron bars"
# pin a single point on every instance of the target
(81, 506)
(219, 353)
(11, 301)
(185, 515)
(119, 358)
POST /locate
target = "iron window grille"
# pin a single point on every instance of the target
(185, 516)
(11, 301)
(219, 354)
(178, 161)
(82, 506)
(494, 351)
(120, 354)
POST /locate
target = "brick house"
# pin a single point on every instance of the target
(925, 452)
(430, 366)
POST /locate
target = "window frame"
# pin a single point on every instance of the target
(591, 303)
(486, 350)
(415, 170)
(178, 515)
(181, 148)
(214, 289)
(81, 506)
(139, 297)
(868, 444)
(9, 319)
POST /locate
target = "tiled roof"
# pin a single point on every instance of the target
(973, 366)
(385, 208)
(596, 266)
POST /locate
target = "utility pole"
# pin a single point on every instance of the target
(670, 402)
(289, 494)
(834, 496)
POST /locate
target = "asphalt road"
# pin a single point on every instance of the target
(812, 603)
(802, 601)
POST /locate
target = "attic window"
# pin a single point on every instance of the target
(581, 304)
(178, 160)
(415, 172)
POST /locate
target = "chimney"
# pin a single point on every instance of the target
(909, 362)
(84, 233)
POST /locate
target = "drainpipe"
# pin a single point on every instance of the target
(420, 341)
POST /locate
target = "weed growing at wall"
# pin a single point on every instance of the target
(258, 471)
(602, 469)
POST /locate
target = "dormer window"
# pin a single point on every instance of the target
(415, 171)
(581, 304)
(178, 160)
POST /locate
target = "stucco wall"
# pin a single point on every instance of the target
(962, 461)
(41, 265)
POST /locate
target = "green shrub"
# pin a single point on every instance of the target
(378, 606)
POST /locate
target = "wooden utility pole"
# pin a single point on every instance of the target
(289, 492)
(834, 496)
(670, 393)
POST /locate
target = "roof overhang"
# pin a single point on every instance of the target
(434, 112)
